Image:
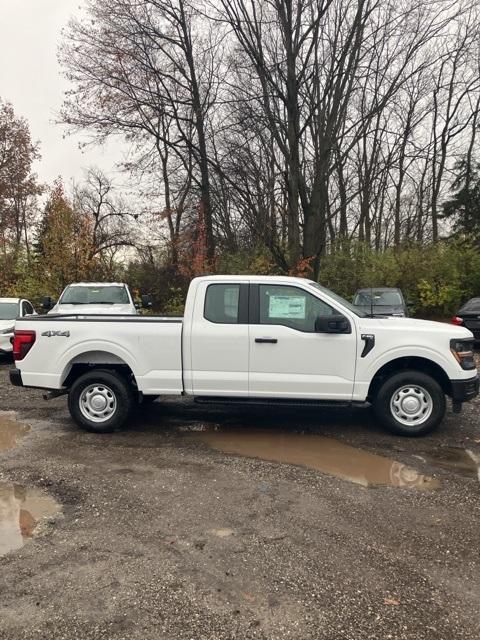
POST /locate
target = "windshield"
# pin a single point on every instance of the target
(472, 305)
(8, 310)
(95, 295)
(378, 298)
(339, 299)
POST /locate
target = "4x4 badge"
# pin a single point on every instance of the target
(52, 334)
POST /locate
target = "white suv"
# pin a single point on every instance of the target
(10, 309)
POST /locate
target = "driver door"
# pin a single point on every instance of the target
(288, 358)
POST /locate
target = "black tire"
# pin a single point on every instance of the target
(392, 408)
(116, 393)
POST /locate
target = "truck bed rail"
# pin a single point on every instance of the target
(97, 317)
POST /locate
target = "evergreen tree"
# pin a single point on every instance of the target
(63, 243)
(464, 208)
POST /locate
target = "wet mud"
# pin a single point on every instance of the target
(323, 454)
(10, 431)
(464, 462)
(22, 509)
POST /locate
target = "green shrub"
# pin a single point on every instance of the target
(437, 278)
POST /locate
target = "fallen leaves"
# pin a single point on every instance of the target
(393, 602)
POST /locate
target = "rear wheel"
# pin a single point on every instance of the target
(410, 403)
(100, 401)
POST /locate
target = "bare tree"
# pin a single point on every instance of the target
(136, 66)
(293, 125)
(107, 214)
(456, 80)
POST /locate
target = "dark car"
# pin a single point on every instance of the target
(469, 316)
(384, 301)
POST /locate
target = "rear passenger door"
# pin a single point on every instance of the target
(219, 340)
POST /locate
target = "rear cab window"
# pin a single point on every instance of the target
(27, 309)
(222, 303)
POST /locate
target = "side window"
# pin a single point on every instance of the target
(27, 308)
(221, 303)
(291, 307)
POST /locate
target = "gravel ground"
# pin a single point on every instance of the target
(161, 537)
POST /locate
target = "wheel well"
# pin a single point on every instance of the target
(418, 364)
(97, 360)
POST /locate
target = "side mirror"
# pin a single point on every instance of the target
(332, 324)
(147, 301)
(47, 303)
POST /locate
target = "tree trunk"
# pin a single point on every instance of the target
(199, 122)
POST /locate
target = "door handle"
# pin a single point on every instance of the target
(267, 340)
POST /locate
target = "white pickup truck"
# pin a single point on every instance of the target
(99, 298)
(253, 339)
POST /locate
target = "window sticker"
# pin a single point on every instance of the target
(292, 307)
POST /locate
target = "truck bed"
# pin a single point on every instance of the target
(151, 346)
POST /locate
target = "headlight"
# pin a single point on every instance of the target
(9, 330)
(463, 352)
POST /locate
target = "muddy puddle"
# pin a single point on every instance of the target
(464, 462)
(22, 511)
(10, 431)
(323, 454)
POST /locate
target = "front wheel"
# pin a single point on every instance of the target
(100, 401)
(410, 403)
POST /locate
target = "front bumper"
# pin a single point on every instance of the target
(16, 377)
(465, 390)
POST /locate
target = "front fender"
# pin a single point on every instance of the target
(368, 367)
(373, 365)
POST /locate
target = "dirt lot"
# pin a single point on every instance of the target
(161, 536)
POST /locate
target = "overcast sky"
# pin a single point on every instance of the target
(30, 79)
